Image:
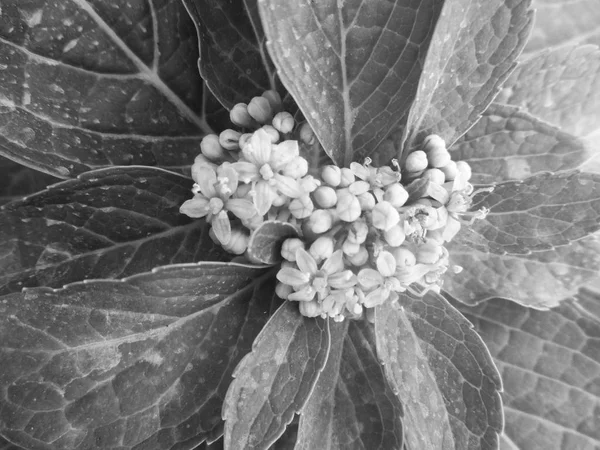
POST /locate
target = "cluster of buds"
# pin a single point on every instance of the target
(366, 233)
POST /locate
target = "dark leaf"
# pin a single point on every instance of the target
(265, 242)
(442, 373)
(561, 87)
(108, 223)
(352, 67)
(472, 51)
(5, 445)
(550, 365)
(92, 83)
(233, 58)
(275, 380)
(17, 181)
(510, 144)
(352, 405)
(538, 280)
(137, 363)
(539, 213)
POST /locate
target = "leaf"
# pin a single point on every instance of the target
(560, 86)
(17, 181)
(564, 22)
(5, 445)
(265, 242)
(508, 143)
(539, 280)
(90, 83)
(442, 372)
(352, 405)
(275, 380)
(352, 67)
(142, 362)
(541, 212)
(550, 363)
(108, 223)
(233, 58)
(472, 52)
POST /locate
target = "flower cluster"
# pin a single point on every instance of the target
(366, 233)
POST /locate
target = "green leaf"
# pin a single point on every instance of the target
(233, 58)
(508, 143)
(266, 240)
(550, 363)
(275, 380)
(472, 51)
(538, 280)
(17, 181)
(5, 445)
(564, 22)
(90, 83)
(352, 67)
(108, 223)
(142, 362)
(352, 405)
(541, 212)
(442, 373)
(561, 87)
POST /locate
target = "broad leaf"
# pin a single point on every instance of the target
(510, 144)
(560, 86)
(563, 22)
(352, 405)
(265, 242)
(137, 363)
(352, 67)
(233, 58)
(550, 363)
(472, 52)
(91, 83)
(541, 212)
(17, 181)
(6, 445)
(275, 380)
(442, 373)
(108, 223)
(539, 280)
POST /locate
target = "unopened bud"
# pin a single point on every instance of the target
(350, 248)
(284, 122)
(416, 161)
(450, 171)
(272, 132)
(260, 110)
(322, 248)
(301, 207)
(404, 257)
(244, 139)
(309, 184)
(283, 290)
(358, 231)
(464, 169)
(360, 258)
(359, 187)
(274, 100)
(230, 139)
(325, 197)
(386, 264)
(384, 216)
(211, 148)
(307, 135)
(310, 309)
(332, 175)
(396, 195)
(435, 176)
(438, 157)
(280, 200)
(395, 236)
(289, 247)
(366, 201)
(433, 142)
(238, 242)
(296, 168)
(239, 116)
(320, 221)
(348, 207)
(429, 253)
(347, 177)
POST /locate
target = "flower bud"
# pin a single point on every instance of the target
(384, 216)
(359, 187)
(211, 148)
(347, 207)
(239, 116)
(435, 176)
(260, 110)
(332, 175)
(320, 221)
(301, 207)
(244, 139)
(386, 264)
(347, 177)
(283, 290)
(433, 142)
(307, 135)
(325, 197)
(366, 201)
(464, 169)
(450, 171)
(416, 161)
(280, 200)
(396, 195)
(429, 253)
(274, 100)
(438, 157)
(283, 122)
(230, 139)
(310, 309)
(309, 183)
(358, 231)
(272, 132)
(289, 247)
(404, 257)
(395, 236)
(322, 248)
(238, 243)
(253, 222)
(296, 168)
(350, 248)
(360, 258)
